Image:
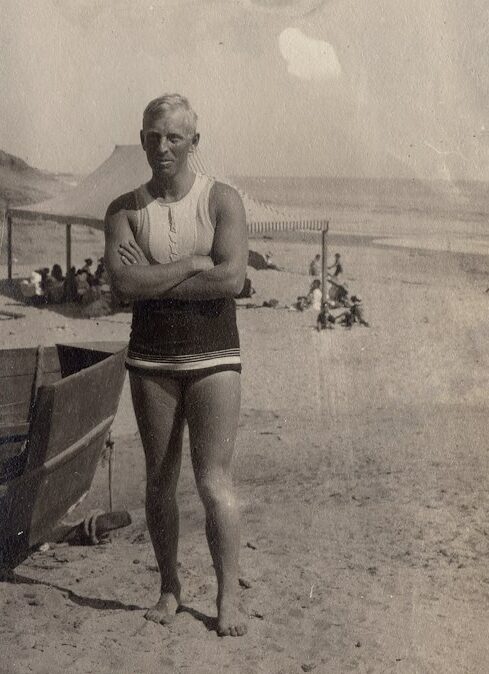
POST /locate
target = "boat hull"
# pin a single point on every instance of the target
(65, 408)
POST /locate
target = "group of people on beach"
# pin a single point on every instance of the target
(83, 285)
(334, 270)
(351, 314)
(336, 297)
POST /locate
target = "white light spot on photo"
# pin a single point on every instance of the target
(308, 58)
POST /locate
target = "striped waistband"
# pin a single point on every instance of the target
(184, 362)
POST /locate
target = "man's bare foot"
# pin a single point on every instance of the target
(163, 612)
(231, 620)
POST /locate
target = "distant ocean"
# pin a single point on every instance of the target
(464, 200)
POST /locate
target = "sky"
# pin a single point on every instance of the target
(306, 87)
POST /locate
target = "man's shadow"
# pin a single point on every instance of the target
(209, 622)
(92, 602)
(99, 604)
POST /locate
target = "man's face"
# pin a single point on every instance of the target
(166, 139)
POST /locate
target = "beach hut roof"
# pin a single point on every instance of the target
(125, 169)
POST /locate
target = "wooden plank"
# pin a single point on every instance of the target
(13, 429)
(16, 413)
(104, 384)
(15, 362)
(32, 503)
(17, 389)
(40, 426)
(73, 406)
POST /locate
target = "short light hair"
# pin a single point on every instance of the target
(168, 103)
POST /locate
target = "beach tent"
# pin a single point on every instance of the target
(125, 169)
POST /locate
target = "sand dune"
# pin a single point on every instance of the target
(23, 184)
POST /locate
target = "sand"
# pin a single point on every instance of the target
(362, 470)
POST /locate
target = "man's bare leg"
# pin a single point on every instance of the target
(212, 410)
(159, 413)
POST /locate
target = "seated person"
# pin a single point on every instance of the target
(301, 303)
(82, 283)
(337, 294)
(269, 261)
(101, 277)
(315, 295)
(88, 266)
(31, 287)
(57, 273)
(345, 319)
(356, 310)
(55, 285)
(69, 291)
(325, 320)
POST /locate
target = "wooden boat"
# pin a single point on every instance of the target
(56, 407)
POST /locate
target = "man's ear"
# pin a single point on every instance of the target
(195, 142)
(142, 138)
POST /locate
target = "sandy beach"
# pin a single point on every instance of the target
(361, 467)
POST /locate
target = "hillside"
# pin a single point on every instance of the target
(23, 184)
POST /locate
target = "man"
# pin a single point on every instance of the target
(315, 266)
(337, 267)
(177, 247)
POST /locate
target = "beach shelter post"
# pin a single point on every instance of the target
(324, 258)
(9, 247)
(68, 248)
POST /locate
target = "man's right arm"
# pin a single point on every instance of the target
(141, 281)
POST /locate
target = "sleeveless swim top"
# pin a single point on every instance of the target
(166, 232)
(180, 336)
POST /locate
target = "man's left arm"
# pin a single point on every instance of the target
(229, 251)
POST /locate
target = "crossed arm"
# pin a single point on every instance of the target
(195, 277)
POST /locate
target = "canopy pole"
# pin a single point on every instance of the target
(9, 247)
(68, 248)
(324, 259)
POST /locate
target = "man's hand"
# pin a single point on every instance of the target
(131, 253)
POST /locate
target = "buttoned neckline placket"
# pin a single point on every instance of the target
(172, 230)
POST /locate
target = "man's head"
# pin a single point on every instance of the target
(168, 133)
(167, 104)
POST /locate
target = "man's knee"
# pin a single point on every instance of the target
(216, 491)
